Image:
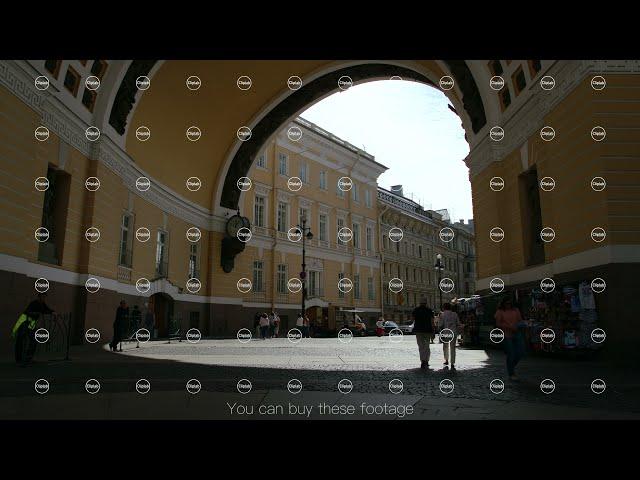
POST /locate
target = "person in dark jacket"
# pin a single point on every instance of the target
(30, 315)
(423, 328)
(120, 323)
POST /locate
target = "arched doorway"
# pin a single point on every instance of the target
(161, 305)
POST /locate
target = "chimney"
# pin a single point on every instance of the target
(397, 189)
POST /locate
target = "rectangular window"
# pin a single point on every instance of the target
(420, 251)
(340, 292)
(89, 99)
(421, 277)
(531, 215)
(323, 180)
(283, 210)
(339, 226)
(519, 81)
(259, 211)
(258, 276)
(367, 198)
(406, 272)
(369, 239)
(99, 68)
(54, 216)
(126, 235)
(194, 262)
(505, 98)
(315, 284)
(162, 254)
(371, 292)
(339, 191)
(356, 287)
(281, 280)
(415, 275)
(356, 235)
(534, 67)
(303, 213)
(304, 172)
(323, 228)
(283, 164)
(413, 249)
(72, 81)
(355, 193)
(262, 160)
(53, 66)
(495, 67)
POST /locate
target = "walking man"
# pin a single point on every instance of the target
(449, 320)
(423, 328)
(122, 316)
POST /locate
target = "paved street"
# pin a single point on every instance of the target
(319, 364)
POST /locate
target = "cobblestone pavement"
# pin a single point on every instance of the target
(370, 363)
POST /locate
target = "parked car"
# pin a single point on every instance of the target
(388, 325)
(406, 327)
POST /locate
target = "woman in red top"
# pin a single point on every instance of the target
(508, 319)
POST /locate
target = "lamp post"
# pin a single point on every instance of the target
(306, 234)
(439, 267)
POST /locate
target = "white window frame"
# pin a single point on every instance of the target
(356, 236)
(258, 286)
(281, 157)
(323, 180)
(321, 237)
(285, 223)
(264, 211)
(262, 156)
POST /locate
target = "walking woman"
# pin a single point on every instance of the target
(450, 320)
(508, 319)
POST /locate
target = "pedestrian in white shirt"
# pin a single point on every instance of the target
(451, 321)
(264, 325)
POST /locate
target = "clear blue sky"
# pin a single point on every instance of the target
(407, 127)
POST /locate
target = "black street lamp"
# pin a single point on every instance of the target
(305, 230)
(439, 267)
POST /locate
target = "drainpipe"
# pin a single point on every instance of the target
(381, 250)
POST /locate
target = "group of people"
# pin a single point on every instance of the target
(267, 324)
(127, 323)
(508, 318)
